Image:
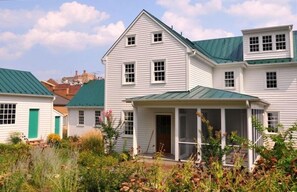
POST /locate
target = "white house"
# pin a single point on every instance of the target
(157, 80)
(26, 106)
(85, 108)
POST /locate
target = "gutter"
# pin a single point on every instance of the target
(179, 100)
(28, 95)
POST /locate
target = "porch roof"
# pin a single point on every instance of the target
(196, 93)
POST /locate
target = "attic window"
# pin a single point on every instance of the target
(280, 40)
(267, 43)
(157, 37)
(254, 44)
(131, 40)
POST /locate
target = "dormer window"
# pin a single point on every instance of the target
(280, 40)
(131, 40)
(267, 43)
(254, 44)
(157, 37)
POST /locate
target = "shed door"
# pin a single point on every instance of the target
(57, 125)
(33, 123)
(163, 127)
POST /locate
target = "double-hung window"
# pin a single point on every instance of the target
(229, 79)
(97, 118)
(280, 41)
(271, 79)
(81, 117)
(128, 122)
(254, 44)
(158, 72)
(273, 121)
(7, 113)
(267, 43)
(129, 73)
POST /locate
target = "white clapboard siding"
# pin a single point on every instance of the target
(142, 54)
(282, 99)
(199, 73)
(74, 129)
(23, 105)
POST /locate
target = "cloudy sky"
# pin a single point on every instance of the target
(53, 38)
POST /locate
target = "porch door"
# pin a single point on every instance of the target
(163, 129)
(33, 123)
(57, 125)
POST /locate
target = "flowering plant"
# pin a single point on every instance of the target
(110, 130)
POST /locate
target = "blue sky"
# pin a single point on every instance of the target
(54, 38)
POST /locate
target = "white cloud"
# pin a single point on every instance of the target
(265, 12)
(73, 27)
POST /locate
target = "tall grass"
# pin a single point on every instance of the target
(93, 141)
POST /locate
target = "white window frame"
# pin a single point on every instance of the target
(81, 116)
(276, 42)
(267, 43)
(128, 133)
(273, 42)
(153, 37)
(266, 80)
(229, 79)
(8, 114)
(254, 44)
(127, 40)
(153, 81)
(97, 118)
(124, 73)
(275, 121)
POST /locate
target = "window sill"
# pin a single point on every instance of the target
(158, 42)
(127, 136)
(130, 46)
(80, 125)
(271, 88)
(128, 84)
(157, 82)
(230, 88)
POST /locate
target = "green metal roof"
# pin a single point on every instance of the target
(21, 82)
(197, 93)
(91, 94)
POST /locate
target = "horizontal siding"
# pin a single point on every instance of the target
(143, 53)
(89, 122)
(219, 78)
(267, 54)
(23, 105)
(282, 99)
(199, 74)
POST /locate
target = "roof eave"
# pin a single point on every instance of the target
(87, 107)
(179, 100)
(27, 95)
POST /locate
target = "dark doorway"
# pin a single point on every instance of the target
(163, 127)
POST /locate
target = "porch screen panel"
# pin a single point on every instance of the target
(187, 125)
(236, 121)
(257, 139)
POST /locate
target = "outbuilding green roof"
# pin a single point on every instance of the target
(91, 94)
(197, 93)
(21, 82)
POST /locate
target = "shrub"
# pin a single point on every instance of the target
(15, 137)
(93, 141)
(53, 139)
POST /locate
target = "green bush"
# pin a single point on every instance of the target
(92, 141)
(15, 138)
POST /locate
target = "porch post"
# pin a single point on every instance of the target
(250, 137)
(176, 135)
(223, 131)
(199, 135)
(135, 125)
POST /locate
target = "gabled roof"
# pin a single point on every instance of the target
(21, 82)
(197, 93)
(91, 94)
(59, 100)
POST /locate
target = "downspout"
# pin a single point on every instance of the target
(188, 61)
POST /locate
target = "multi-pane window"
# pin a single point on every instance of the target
(280, 40)
(7, 113)
(157, 37)
(271, 79)
(131, 40)
(273, 122)
(81, 117)
(229, 79)
(129, 73)
(159, 71)
(267, 43)
(254, 44)
(128, 122)
(97, 118)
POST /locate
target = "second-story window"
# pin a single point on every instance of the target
(280, 42)
(158, 72)
(129, 73)
(271, 79)
(131, 40)
(267, 43)
(229, 79)
(81, 117)
(157, 37)
(254, 44)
